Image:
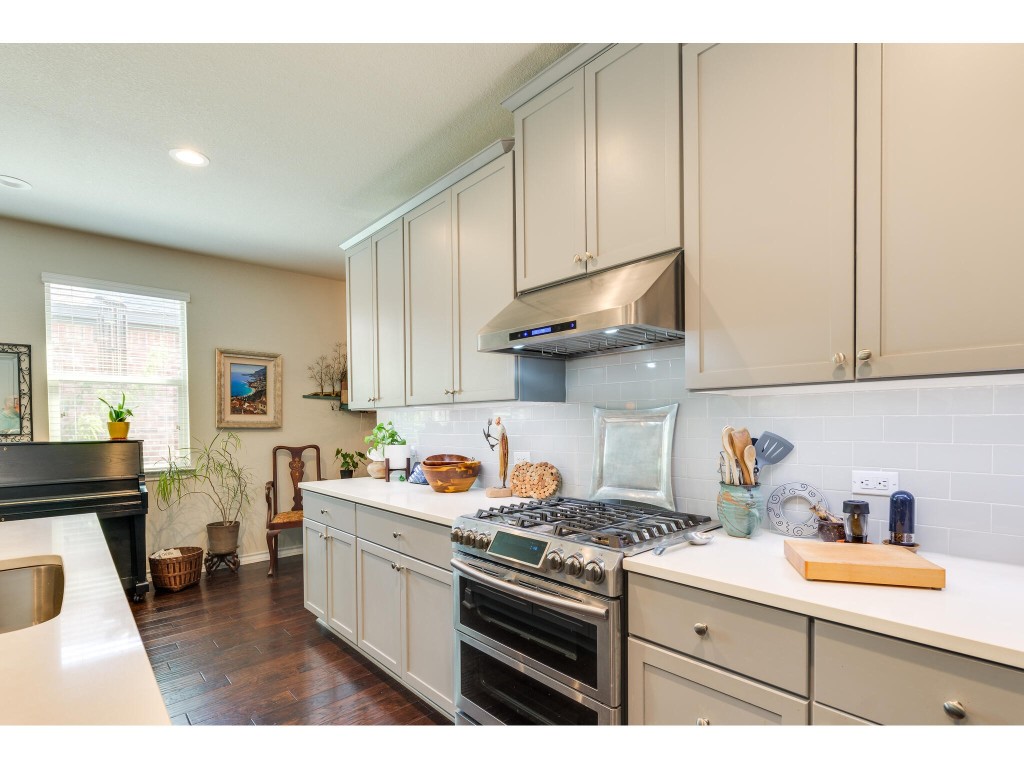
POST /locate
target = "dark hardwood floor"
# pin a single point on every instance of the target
(241, 649)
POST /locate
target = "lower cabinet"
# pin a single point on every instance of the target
(397, 609)
(693, 658)
(668, 688)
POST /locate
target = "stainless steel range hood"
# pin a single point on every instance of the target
(632, 306)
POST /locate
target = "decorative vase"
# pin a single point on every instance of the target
(223, 537)
(118, 430)
(375, 468)
(740, 509)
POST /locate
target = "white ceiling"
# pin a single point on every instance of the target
(309, 143)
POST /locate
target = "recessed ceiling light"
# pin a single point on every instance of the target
(12, 183)
(190, 157)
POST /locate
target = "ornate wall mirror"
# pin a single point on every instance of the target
(15, 393)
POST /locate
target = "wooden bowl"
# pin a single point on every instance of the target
(451, 478)
(445, 459)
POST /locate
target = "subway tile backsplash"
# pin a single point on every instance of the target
(958, 448)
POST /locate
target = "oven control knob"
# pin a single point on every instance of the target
(469, 538)
(456, 535)
(594, 572)
(574, 566)
(554, 561)
(483, 541)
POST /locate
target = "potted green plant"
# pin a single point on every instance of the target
(117, 419)
(213, 472)
(349, 461)
(385, 442)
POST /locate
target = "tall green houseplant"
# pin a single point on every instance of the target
(212, 471)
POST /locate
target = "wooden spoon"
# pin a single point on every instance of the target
(740, 440)
(749, 457)
(730, 465)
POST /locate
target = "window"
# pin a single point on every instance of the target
(103, 339)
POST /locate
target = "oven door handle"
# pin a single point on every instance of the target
(550, 601)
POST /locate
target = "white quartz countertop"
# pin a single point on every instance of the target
(977, 613)
(87, 666)
(419, 501)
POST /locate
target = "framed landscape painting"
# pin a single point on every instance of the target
(248, 390)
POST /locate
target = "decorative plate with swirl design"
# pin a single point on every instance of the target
(805, 527)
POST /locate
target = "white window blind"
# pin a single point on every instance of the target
(103, 339)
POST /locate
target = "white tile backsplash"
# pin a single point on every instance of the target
(959, 448)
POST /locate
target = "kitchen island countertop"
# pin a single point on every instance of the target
(977, 613)
(86, 666)
(405, 498)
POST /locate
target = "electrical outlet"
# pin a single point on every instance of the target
(875, 483)
(518, 456)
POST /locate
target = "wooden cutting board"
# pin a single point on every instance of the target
(863, 563)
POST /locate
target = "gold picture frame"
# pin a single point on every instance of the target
(248, 389)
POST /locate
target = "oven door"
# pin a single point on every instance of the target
(566, 634)
(492, 689)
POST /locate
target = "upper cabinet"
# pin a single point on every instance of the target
(772, 191)
(768, 145)
(375, 288)
(598, 166)
(939, 231)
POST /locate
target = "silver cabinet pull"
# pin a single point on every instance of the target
(955, 709)
(839, 358)
(700, 629)
(703, 721)
(397, 567)
(864, 354)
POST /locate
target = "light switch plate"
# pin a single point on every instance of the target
(875, 483)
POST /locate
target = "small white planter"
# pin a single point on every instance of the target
(397, 454)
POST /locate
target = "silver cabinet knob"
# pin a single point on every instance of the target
(955, 710)
(397, 567)
(320, 534)
(703, 721)
(864, 354)
(838, 358)
(323, 511)
(577, 259)
(700, 629)
(396, 534)
(589, 256)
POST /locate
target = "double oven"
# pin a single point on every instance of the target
(539, 608)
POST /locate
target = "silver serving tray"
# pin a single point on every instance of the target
(633, 455)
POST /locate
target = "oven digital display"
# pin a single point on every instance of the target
(521, 548)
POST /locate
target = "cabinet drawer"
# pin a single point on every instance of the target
(754, 640)
(666, 688)
(896, 682)
(425, 541)
(328, 510)
(822, 715)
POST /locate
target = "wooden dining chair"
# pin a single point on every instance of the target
(279, 519)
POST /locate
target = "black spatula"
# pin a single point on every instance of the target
(771, 449)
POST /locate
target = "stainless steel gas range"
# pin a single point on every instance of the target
(539, 619)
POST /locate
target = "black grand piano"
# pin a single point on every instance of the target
(105, 477)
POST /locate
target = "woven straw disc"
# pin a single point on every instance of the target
(519, 482)
(543, 480)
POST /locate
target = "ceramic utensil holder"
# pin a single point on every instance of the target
(740, 509)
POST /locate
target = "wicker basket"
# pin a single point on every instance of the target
(174, 573)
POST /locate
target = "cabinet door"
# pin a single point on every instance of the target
(314, 568)
(428, 281)
(427, 664)
(669, 689)
(768, 145)
(359, 290)
(633, 153)
(389, 278)
(341, 592)
(484, 278)
(379, 610)
(939, 231)
(551, 228)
